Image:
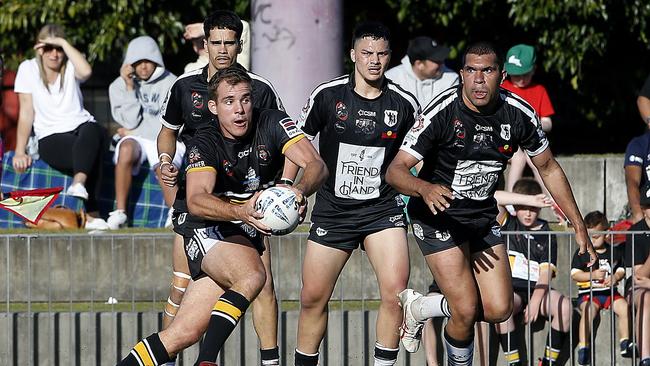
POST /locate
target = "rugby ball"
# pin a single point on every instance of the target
(279, 205)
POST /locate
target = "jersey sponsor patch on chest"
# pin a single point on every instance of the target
(475, 179)
(358, 171)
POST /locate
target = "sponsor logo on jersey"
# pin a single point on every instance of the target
(399, 217)
(358, 171)
(192, 249)
(365, 125)
(389, 135)
(290, 127)
(399, 201)
(418, 125)
(252, 181)
(341, 111)
(227, 167)
(364, 113)
(339, 126)
(505, 132)
(244, 153)
(263, 154)
(418, 232)
(198, 164)
(496, 231)
(249, 230)
(505, 149)
(390, 117)
(475, 179)
(181, 218)
(196, 115)
(197, 100)
(442, 235)
(193, 155)
(320, 231)
(482, 141)
(484, 128)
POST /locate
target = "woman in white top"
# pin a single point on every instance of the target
(51, 103)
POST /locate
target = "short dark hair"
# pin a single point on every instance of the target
(372, 29)
(232, 75)
(223, 19)
(527, 186)
(483, 48)
(595, 218)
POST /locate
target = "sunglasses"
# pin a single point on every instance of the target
(50, 48)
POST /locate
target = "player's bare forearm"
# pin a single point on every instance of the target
(167, 141)
(399, 175)
(290, 170)
(208, 206)
(580, 276)
(315, 174)
(632, 183)
(643, 103)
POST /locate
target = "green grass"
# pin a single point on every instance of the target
(81, 307)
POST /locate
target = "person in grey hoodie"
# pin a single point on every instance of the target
(423, 72)
(136, 97)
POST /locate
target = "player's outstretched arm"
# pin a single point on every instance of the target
(558, 185)
(303, 154)
(167, 147)
(398, 175)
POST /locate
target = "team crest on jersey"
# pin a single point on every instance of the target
(418, 232)
(290, 127)
(341, 111)
(505, 132)
(227, 167)
(181, 218)
(252, 181)
(482, 141)
(418, 125)
(339, 126)
(496, 231)
(193, 155)
(197, 100)
(390, 117)
(263, 154)
(459, 132)
(399, 201)
(196, 115)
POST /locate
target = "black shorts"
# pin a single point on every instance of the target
(348, 230)
(440, 232)
(198, 238)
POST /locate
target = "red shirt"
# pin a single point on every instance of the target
(535, 95)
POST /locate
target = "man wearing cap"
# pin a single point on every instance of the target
(136, 97)
(423, 72)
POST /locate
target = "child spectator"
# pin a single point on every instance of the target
(637, 254)
(520, 66)
(69, 138)
(532, 260)
(136, 97)
(610, 271)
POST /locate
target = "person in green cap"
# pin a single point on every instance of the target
(520, 68)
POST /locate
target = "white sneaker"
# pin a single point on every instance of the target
(95, 223)
(411, 329)
(168, 222)
(116, 219)
(77, 190)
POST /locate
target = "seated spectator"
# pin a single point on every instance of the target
(520, 66)
(609, 272)
(136, 97)
(637, 255)
(423, 72)
(532, 260)
(69, 138)
(8, 109)
(637, 163)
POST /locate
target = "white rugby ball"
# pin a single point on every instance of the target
(279, 205)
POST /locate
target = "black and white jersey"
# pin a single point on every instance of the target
(529, 252)
(358, 139)
(247, 165)
(610, 260)
(467, 151)
(186, 104)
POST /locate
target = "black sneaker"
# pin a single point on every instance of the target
(584, 356)
(627, 348)
(645, 362)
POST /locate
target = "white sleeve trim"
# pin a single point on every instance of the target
(412, 152)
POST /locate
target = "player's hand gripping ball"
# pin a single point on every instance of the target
(279, 205)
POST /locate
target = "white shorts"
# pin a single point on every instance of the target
(149, 152)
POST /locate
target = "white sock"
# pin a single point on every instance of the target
(458, 356)
(430, 306)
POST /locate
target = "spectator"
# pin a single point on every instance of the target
(643, 102)
(8, 109)
(69, 138)
(423, 72)
(195, 33)
(136, 97)
(532, 261)
(637, 170)
(520, 66)
(637, 255)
